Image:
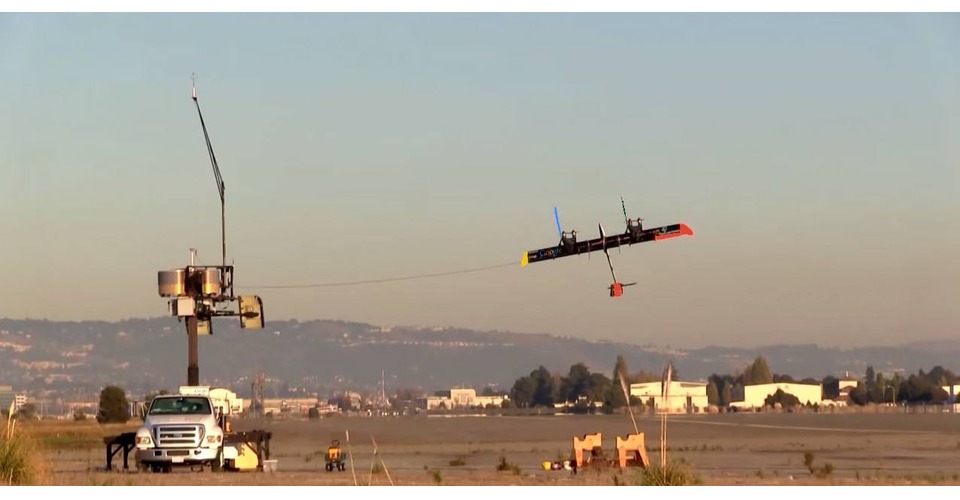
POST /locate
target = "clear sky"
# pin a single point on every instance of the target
(814, 155)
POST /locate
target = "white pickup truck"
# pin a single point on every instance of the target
(177, 430)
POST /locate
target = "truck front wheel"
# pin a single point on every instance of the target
(216, 465)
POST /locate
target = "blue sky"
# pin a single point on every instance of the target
(814, 155)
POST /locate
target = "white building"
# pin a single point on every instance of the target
(435, 403)
(683, 397)
(8, 398)
(753, 396)
(485, 401)
(459, 398)
(846, 385)
(462, 398)
(952, 392)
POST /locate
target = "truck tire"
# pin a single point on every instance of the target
(216, 465)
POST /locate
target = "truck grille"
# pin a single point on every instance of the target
(181, 436)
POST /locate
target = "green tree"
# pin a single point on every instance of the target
(785, 399)
(831, 387)
(759, 372)
(114, 407)
(723, 383)
(617, 399)
(920, 388)
(576, 383)
(27, 411)
(600, 388)
(713, 395)
(859, 395)
(726, 394)
(523, 392)
(544, 394)
(620, 368)
(941, 376)
(870, 379)
(897, 382)
(879, 384)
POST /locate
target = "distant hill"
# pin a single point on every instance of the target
(328, 355)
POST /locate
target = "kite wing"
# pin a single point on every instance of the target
(564, 248)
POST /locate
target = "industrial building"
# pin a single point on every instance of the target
(682, 397)
(753, 396)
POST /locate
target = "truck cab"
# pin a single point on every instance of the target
(180, 430)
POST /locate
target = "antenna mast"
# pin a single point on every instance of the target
(216, 174)
(196, 291)
(624, 206)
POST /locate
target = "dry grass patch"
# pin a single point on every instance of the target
(21, 462)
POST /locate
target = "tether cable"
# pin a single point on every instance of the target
(383, 280)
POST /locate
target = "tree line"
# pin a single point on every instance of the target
(582, 388)
(579, 388)
(873, 387)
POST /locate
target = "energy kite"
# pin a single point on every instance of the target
(635, 233)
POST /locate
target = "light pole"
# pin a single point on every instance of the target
(894, 389)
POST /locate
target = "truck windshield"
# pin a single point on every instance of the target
(185, 405)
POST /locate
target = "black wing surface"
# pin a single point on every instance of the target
(628, 237)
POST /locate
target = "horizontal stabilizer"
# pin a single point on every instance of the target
(674, 231)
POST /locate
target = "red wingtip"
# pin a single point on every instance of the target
(685, 229)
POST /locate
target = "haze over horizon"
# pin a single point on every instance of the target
(814, 156)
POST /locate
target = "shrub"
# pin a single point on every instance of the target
(503, 466)
(819, 472)
(18, 459)
(113, 406)
(824, 471)
(676, 473)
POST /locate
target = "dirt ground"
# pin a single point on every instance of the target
(721, 449)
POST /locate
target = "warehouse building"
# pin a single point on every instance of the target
(753, 396)
(683, 397)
